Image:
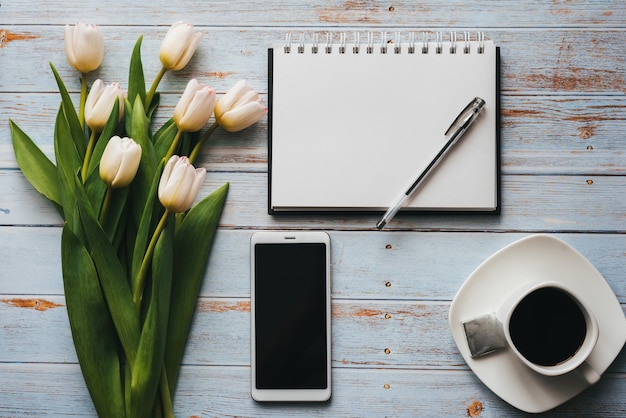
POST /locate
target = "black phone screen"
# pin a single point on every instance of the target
(290, 316)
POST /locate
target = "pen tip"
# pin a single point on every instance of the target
(380, 225)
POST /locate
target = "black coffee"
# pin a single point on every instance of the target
(547, 327)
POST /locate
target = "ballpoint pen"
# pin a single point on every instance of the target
(452, 135)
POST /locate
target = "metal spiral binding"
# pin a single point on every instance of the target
(397, 43)
(412, 43)
(424, 43)
(287, 47)
(439, 43)
(301, 44)
(329, 43)
(342, 43)
(370, 42)
(481, 42)
(454, 43)
(383, 42)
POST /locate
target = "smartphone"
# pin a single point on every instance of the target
(290, 316)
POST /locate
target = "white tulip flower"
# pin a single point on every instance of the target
(84, 47)
(239, 108)
(195, 107)
(100, 103)
(120, 161)
(179, 184)
(179, 45)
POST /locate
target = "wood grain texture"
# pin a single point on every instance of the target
(552, 61)
(430, 13)
(33, 390)
(530, 203)
(563, 160)
(369, 334)
(577, 134)
(415, 266)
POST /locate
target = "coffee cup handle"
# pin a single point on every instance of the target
(588, 373)
(484, 335)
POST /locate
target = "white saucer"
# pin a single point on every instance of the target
(537, 257)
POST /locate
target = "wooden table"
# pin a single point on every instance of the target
(563, 173)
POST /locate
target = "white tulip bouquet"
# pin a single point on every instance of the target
(134, 250)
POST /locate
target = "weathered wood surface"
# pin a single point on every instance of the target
(218, 391)
(532, 203)
(563, 164)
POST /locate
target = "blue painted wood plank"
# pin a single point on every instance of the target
(530, 203)
(386, 334)
(537, 61)
(35, 390)
(540, 135)
(402, 13)
(416, 265)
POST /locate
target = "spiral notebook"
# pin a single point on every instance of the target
(353, 119)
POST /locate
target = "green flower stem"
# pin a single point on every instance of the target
(145, 263)
(90, 147)
(153, 88)
(203, 138)
(105, 205)
(166, 397)
(174, 145)
(83, 99)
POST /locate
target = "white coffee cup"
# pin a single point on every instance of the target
(546, 325)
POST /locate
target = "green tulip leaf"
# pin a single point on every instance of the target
(164, 137)
(68, 164)
(95, 189)
(138, 128)
(154, 104)
(118, 235)
(36, 167)
(137, 123)
(113, 277)
(95, 339)
(187, 143)
(152, 209)
(149, 364)
(192, 246)
(77, 132)
(113, 223)
(136, 81)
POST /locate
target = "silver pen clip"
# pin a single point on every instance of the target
(465, 118)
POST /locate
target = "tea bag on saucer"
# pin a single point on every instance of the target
(484, 335)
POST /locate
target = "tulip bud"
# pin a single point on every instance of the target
(194, 107)
(84, 47)
(239, 108)
(179, 184)
(120, 161)
(179, 45)
(100, 103)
